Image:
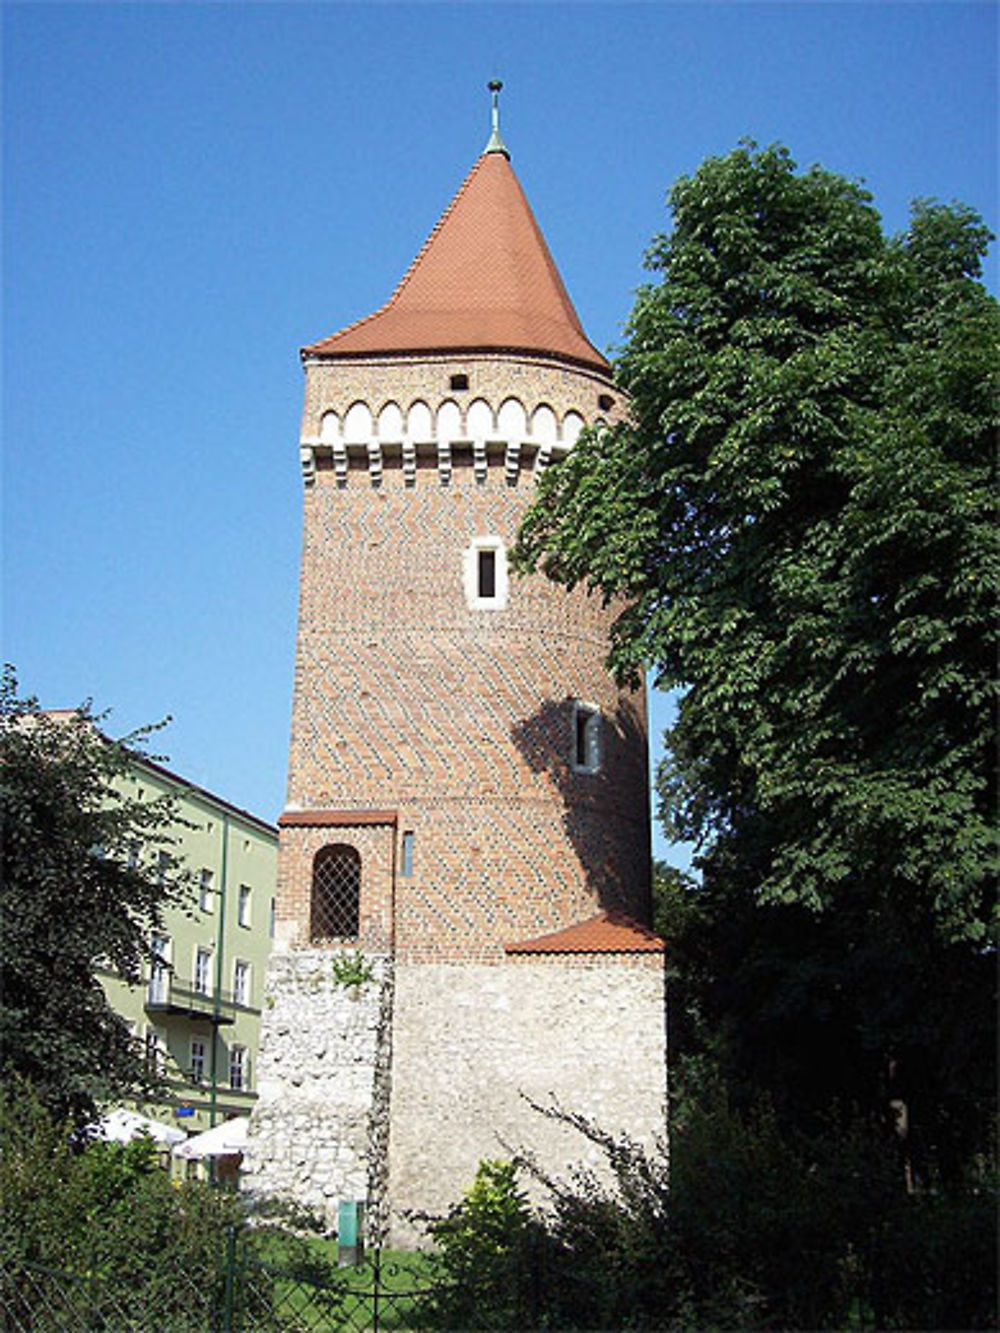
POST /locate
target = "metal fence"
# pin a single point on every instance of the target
(247, 1294)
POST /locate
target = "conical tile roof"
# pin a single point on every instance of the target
(484, 281)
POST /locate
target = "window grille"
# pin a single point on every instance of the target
(336, 893)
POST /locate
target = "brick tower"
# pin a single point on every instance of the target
(467, 795)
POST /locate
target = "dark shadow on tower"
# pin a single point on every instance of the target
(605, 806)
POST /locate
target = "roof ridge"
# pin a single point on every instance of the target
(414, 263)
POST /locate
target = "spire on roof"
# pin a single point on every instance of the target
(496, 144)
(483, 281)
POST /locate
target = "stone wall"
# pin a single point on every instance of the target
(318, 1131)
(395, 1094)
(472, 1043)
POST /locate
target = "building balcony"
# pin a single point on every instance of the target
(174, 996)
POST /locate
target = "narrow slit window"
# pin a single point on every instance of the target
(406, 859)
(586, 738)
(484, 574)
(487, 575)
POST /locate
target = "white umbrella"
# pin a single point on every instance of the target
(123, 1125)
(224, 1140)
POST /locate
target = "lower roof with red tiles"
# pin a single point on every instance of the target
(608, 932)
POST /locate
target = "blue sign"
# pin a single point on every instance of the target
(183, 1111)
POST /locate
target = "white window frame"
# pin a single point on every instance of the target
(590, 715)
(470, 574)
(244, 899)
(155, 1046)
(159, 968)
(200, 985)
(206, 890)
(241, 982)
(239, 1068)
(199, 1051)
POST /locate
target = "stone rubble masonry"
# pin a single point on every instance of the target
(320, 1098)
(472, 1044)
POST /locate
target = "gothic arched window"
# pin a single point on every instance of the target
(336, 893)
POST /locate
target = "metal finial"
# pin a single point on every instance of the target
(496, 144)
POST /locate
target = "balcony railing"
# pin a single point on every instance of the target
(168, 993)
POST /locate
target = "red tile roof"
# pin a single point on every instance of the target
(484, 281)
(609, 932)
(335, 818)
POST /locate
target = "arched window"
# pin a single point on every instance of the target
(336, 893)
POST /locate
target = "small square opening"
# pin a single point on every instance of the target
(459, 381)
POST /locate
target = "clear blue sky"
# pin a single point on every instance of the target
(192, 192)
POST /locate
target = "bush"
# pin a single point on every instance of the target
(744, 1226)
(484, 1248)
(101, 1227)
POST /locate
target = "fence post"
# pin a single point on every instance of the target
(227, 1306)
(376, 1282)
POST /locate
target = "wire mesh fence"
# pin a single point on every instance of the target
(250, 1292)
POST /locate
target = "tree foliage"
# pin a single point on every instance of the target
(87, 873)
(745, 1226)
(97, 1235)
(798, 516)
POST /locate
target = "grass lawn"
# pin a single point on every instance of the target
(346, 1297)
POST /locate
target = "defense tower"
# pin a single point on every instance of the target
(467, 794)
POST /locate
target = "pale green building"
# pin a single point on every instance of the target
(198, 1012)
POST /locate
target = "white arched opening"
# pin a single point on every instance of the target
(390, 423)
(329, 428)
(572, 426)
(419, 425)
(512, 420)
(358, 424)
(543, 425)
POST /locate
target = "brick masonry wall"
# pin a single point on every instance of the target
(336, 385)
(376, 847)
(460, 720)
(458, 725)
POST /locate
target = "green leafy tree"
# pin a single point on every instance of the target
(798, 515)
(87, 873)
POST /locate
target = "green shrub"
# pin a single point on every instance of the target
(114, 1235)
(482, 1257)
